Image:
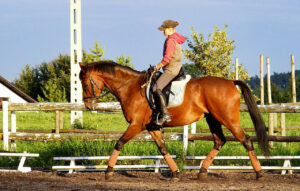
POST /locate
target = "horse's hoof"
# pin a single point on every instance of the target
(109, 175)
(260, 176)
(175, 177)
(202, 176)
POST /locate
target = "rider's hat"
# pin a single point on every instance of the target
(168, 24)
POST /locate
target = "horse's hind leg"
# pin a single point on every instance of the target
(244, 138)
(158, 138)
(219, 141)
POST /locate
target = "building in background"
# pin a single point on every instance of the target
(14, 94)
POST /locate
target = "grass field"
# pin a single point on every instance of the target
(116, 122)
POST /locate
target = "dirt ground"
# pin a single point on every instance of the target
(137, 180)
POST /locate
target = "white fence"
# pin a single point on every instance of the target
(23, 157)
(286, 165)
(73, 167)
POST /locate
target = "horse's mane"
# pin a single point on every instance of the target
(108, 66)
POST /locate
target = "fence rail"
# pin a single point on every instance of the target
(115, 106)
(139, 138)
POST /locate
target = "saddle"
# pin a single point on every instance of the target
(173, 92)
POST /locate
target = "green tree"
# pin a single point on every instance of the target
(212, 57)
(125, 61)
(27, 81)
(96, 54)
(50, 81)
(53, 92)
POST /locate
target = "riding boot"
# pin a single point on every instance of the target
(161, 103)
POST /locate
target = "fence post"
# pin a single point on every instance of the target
(293, 79)
(236, 68)
(57, 122)
(13, 119)
(193, 131)
(5, 124)
(61, 120)
(282, 125)
(185, 138)
(271, 120)
(262, 101)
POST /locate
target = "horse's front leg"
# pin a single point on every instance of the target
(158, 138)
(131, 132)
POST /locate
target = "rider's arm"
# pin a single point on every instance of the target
(170, 47)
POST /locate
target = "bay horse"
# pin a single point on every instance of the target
(216, 99)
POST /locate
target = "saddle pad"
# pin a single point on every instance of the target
(177, 87)
(178, 90)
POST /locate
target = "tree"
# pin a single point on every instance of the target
(50, 81)
(27, 81)
(212, 57)
(53, 92)
(96, 54)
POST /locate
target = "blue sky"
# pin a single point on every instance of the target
(33, 31)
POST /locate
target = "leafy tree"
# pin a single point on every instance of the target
(52, 92)
(212, 57)
(50, 81)
(96, 54)
(125, 61)
(28, 81)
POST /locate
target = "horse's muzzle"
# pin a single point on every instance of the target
(91, 105)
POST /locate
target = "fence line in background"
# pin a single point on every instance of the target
(111, 106)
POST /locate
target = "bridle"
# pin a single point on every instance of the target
(93, 83)
(93, 89)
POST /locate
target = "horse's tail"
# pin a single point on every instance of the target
(259, 124)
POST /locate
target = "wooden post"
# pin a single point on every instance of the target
(61, 120)
(193, 131)
(5, 124)
(262, 101)
(282, 125)
(269, 81)
(236, 68)
(13, 118)
(293, 79)
(185, 138)
(271, 122)
(57, 122)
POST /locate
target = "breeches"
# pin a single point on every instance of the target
(163, 81)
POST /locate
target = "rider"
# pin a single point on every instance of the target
(171, 64)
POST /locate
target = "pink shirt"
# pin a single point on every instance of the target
(169, 46)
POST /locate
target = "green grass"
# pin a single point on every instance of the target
(116, 122)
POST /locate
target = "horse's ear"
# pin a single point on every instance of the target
(82, 67)
(81, 64)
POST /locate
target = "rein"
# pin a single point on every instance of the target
(104, 94)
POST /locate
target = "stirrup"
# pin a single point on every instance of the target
(163, 119)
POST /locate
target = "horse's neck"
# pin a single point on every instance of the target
(120, 83)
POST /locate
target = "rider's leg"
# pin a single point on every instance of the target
(160, 100)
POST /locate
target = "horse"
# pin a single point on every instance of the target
(216, 99)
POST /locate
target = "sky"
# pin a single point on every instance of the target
(34, 31)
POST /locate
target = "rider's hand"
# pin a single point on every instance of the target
(160, 65)
(152, 69)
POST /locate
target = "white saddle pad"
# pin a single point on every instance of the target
(178, 88)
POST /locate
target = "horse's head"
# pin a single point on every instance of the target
(92, 86)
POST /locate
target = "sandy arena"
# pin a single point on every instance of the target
(133, 180)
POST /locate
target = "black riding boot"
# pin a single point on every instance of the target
(160, 101)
